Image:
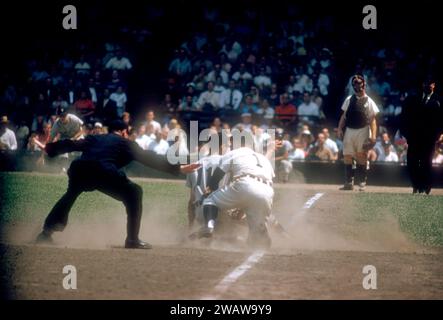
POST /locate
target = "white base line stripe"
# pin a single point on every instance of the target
(254, 258)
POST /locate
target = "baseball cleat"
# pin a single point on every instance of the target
(137, 244)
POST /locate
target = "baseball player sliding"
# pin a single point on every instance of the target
(250, 189)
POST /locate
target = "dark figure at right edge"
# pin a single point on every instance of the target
(421, 123)
(98, 168)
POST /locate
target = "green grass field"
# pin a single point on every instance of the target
(26, 196)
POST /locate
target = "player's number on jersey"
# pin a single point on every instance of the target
(70, 18)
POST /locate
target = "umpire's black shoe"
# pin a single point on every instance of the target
(137, 244)
(44, 238)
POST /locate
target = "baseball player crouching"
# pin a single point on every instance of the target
(250, 189)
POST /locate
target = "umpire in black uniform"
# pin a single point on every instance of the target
(421, 124)
(98, 168)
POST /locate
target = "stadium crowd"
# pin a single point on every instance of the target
(253, 73)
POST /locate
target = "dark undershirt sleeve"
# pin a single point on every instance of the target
(63, 146)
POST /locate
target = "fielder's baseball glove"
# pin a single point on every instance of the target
(368, 144)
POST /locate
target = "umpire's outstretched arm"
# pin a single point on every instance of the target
(64, 146)
(151, 159)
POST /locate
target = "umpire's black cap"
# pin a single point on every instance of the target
(117, 125)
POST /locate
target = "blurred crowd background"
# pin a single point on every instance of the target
(244, 65)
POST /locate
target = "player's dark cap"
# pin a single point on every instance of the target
(117, 125)
(63, 111)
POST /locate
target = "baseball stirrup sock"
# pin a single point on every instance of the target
(210, 213)
(348, 174)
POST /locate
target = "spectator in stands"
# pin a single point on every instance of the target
(120, 99)
(181, 65)
(22, 134)
(387, 155)
(84, 106)
(82, 67)
(231, 98)
(246, 122)
(115, 82)
(59, 103)
(106, 108)
(308, 111)
(218, 71)
(383, 141)
(189, 103)
(274, 96)
(297, 152)
(248, 106)
(331, 144)
(119, 62)
(92, 91)
(255, 93)
(126, 118)
(8, 141)
(151, 123)
(209, 99)
(200, 79)
(286, 113)
(98, 128)
(216, 125)
(218, 85)
(321, 151)
(265, 111)
(242, 76)
(41, 107)
(38, 123)
(141, 138)
(159, 145)
(262, 80)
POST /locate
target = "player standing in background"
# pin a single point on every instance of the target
(358, 120)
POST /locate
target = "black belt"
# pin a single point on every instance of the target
(262, 180)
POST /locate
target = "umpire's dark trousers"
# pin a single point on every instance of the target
(419, 162)
(90, 176)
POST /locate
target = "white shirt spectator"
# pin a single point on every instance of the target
(143, 141)
(159, 147)
(331, 145)
(234, 101)
(212, 98)
(308, 109)
(391, 157)
(119, 98)
(323, 83)
(67, 130)
(262, 81)
(82, 67)
(156, 126)
(8, 140)
(241, 76)
(296, 154)
(119, 64)
(211, 76)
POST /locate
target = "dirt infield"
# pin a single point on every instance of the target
(322, 258)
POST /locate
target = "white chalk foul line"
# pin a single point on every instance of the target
(254, 258)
